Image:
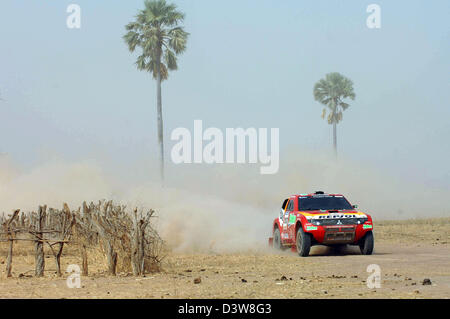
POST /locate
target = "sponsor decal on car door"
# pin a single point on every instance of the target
(289, 220)
(284, 234)
(291, 225)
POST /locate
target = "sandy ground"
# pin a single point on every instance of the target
(407, 253)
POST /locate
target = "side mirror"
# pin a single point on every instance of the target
(355, 206)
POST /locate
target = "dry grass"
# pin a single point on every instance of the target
(23, 259)
(433, 231)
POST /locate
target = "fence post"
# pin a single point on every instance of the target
(135, 253)
(39, 244)
(11, 243)
(84, 261)
(111, 257)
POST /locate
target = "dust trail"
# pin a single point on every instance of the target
(52, 183)
(191, 221)
(221, 208)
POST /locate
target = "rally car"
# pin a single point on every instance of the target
(321, 219)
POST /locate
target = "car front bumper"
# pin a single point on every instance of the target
(338, 234)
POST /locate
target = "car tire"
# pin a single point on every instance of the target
(277, 239)
(303, 243)
(366, 244)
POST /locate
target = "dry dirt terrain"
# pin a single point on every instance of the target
(406, 251)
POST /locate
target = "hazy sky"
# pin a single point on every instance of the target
(76, 94)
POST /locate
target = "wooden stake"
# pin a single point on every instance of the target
(39, 245)
(11, 243)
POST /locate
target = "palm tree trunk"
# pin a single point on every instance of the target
(160, 125)
(335, 139)
(334, 119)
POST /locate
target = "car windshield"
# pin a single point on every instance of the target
(323, 203)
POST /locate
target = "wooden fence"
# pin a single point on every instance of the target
(117, 230)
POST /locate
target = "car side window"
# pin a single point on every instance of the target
(288, 209)
(290, 206)
(283, 206)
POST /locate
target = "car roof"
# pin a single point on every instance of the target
(321, 194)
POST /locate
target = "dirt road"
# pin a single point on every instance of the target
(323, 275)
(405, 260)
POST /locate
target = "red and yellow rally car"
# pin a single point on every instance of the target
(321, 219)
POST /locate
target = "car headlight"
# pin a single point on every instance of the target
(362, 220)
(316, 222)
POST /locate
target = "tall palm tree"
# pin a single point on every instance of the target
(331, 91)
(157, 32)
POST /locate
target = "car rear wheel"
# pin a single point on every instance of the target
(303, 242)
(277, 239)
(366, 244)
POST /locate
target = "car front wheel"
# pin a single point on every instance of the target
(303, 242)
(366, 245)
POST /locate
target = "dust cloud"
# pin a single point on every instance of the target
(220, 208)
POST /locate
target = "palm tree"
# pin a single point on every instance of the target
(157, 32)
(331, 91)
